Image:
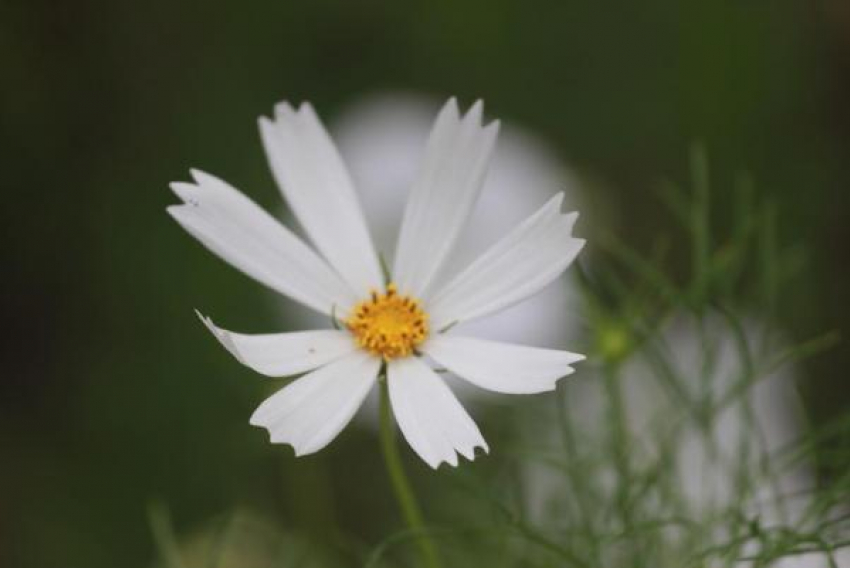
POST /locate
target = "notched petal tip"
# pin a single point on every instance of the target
(222, 336)
(567, 372)
(475, 112)
(187, 192)
(450, 110)
(262, 418)
(576, 357)
(569, 220)
(298, 450)
(175, 211)
(178, 186)
(207, 321)
(435, 464)
(555, 202)
(265, 123)
(306, 108)
(203, 178)
(468, 453)
(197, 175)
(283, 110)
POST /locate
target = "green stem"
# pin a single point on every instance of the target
(401, 486)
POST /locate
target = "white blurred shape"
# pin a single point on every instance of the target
(763, 420)
(750, 440)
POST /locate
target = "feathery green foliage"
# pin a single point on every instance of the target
(677, 444)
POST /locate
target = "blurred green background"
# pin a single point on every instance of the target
(112, 394)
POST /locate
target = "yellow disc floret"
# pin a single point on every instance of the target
(389, 325)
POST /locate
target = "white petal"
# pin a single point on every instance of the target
(432, 420)
(311, 411)
(501, 367)
(317, 187)
(284, 354)
(240, 232)
(441, 199)
(521, 264)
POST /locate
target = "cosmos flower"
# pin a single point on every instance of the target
(381, 137)
(395, 325)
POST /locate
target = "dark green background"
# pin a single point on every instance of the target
(111, 391)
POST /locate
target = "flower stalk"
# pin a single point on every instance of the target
(402, 490)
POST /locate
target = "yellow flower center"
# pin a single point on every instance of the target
(389, 325)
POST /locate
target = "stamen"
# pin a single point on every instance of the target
(387, 324)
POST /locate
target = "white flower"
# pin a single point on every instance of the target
(391, 325)
(381, 137)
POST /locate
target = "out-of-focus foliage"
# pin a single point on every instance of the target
(680, 443)
(113, 396)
